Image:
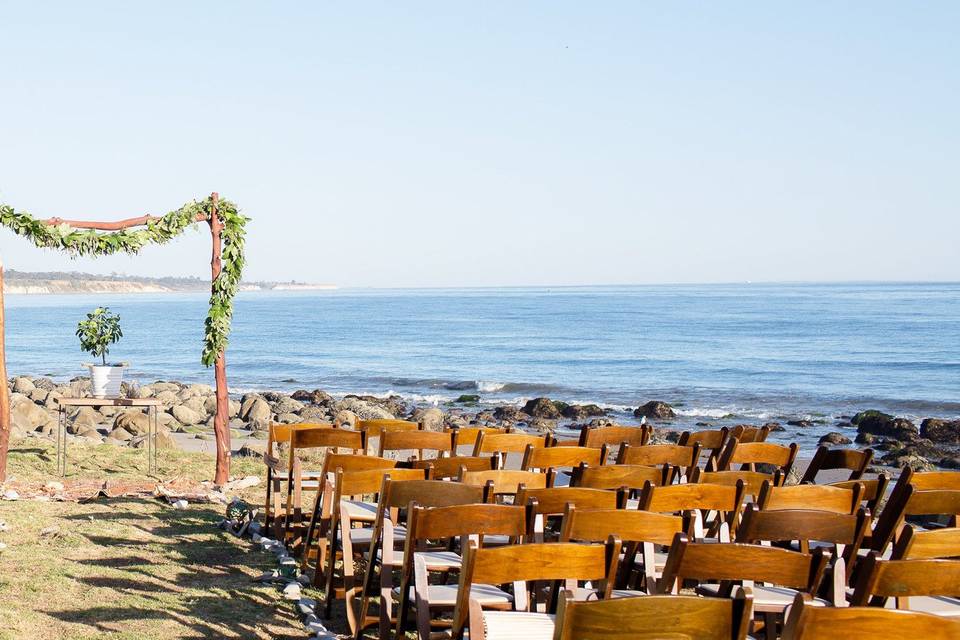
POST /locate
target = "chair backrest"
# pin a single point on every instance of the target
(597, 525)
(818, 497)
(554, 500)
(678, 455)
(280, 433)
(661, 616)
(807, 621)
(752, 480)
(449, 467)
(919, 544)
(874, 489)
(508, 442)
(679, 498)
(440, 523)
(750, 454)
(369, 481)
(614, 434)
(747, 433)
(553, 561)
(398, 494)
(826, 458)
(469, 435)
(326, 438)
(730, 561)
(374, 428)
(542, 458)
(354, 462)
(419, 441)
(906, 500)
(709, 439)
(499, 482)
(929, 480)
(615, 476)
(879, 580)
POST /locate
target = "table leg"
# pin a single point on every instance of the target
(152, 412)
(61, 427)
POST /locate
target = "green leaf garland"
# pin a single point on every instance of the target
(87, 242)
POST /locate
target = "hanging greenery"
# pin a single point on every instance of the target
(88, 242)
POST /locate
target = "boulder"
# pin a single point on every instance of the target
(44, 383)
(52, 400)
(541, 408)
(29, 417)
(507, 412)
(467, 398)
(165, 440)
(869, 413)
(582, 411)
(937, 430)
(543, 425)
(90, 435)
(392, 405)
(146, 391)
(345, 418)
(287, 405)
(316, 396)
(168, 398)
(915, 455)
(363, 409)
(186, 415)
(254, 407)
(431, 418)
(39, 395)
(288, 418)
(313, 413)
(201, 389)
(656, 410)
(800, 423)
(133, 422)
(23, 385)
(121, 434)
(85, 418)
(881, 424)
(834, 437)
(198, 405)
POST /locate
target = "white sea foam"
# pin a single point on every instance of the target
(489, 387)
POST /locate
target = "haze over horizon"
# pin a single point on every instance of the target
(545, 144)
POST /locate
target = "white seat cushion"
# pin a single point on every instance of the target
(495, 540)
(363, 511)
(589, 593)
(764, 597)
(938, 605)
(440, 560)
(365, 534)
(445, 595)
(519, 625)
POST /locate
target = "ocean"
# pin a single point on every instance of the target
(721, 354)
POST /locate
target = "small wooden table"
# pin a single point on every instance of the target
(150, 404)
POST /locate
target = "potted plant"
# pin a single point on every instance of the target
(100, 330)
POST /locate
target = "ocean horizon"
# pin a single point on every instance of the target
(719, 353)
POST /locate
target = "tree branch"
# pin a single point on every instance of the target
(111, 226)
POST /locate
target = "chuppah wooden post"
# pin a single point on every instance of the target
(220, 427)
(4, 391)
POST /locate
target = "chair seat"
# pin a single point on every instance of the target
(445, 595)
(365, 534)
(362, 511)
(440, 560)
(589, 593)
(939, 605)
(495, 540)
(765, 599)
(518, 625)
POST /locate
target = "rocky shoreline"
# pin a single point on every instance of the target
(188, 410)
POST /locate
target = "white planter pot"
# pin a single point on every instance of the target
(105, 380)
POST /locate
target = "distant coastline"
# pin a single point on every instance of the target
(61, 282)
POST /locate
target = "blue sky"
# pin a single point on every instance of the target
(497, 143)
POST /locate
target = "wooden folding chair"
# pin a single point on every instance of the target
(560, 458)
(908, 501)
(751, 454)
(677, 455)
(449, 467)
(278, 434)
(655, 617)
(817, 497)
(826, 458)
(641, 533)
(346, 541)
(700, 501)
(752, 480)
(807, 621)
(929, 585)
(506, 443)
(431, 538)
(374, 429)
(614, 435)
(557, 562)
(747, 433)
(711, 442)
(394, 496)
(467, 436)
(548, 502)
(844, 533)
(617, 476)
(499, 484)
(441, 444)
(324, 439)
(777, 574)
(918, 544)
(874, 490)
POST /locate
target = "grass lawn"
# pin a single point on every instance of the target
(131, 568)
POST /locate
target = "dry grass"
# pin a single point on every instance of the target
(129, 567)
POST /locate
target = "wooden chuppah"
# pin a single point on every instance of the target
(220, 421)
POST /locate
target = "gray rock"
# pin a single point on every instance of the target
(344, 418)
(834, 437)
(287, 405)
(655, 409)
(883, 425)
(120, 434)
(363, 409)
(288, 418)
(431, 418)
(23, 385)
(84, 418)
(197, 404)
(256, 409)
(250, 450)
(29, 417)
(39, 395)
(133, 422)
(314, 414)
(168, 398)
(541, 408)
(186, 415)
(947, 431)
